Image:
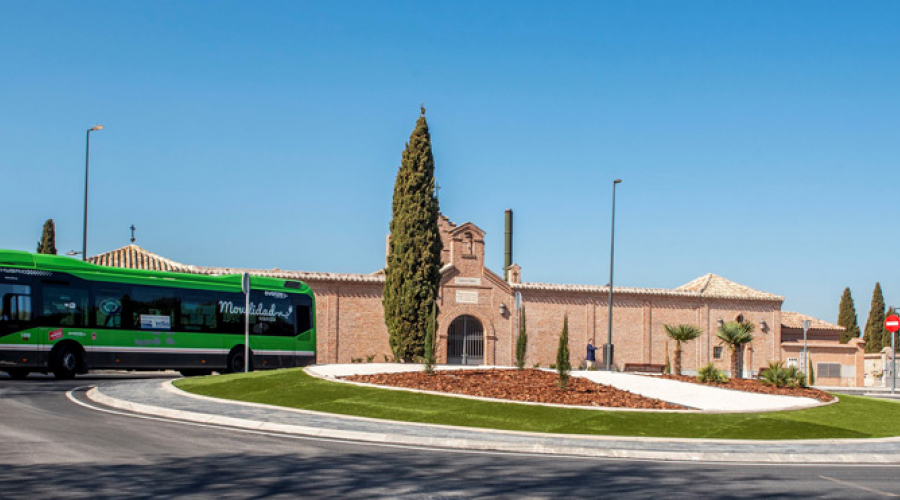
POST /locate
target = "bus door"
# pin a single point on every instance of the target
(304, 341)
(18, 343)
(272, 329)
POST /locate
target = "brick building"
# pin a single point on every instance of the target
(477, 321)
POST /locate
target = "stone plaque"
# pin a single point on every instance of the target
(468, 281)
(466, 297)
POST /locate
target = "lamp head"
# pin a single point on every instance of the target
(97, 127)
(617, 181)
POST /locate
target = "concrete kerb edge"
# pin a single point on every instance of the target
(472, 445)
(168, 385)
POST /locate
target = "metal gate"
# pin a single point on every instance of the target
(465, 342)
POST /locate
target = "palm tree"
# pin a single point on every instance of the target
(735, 334)
(681, 333)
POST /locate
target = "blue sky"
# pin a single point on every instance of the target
(756, 140)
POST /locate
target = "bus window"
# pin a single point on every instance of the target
(64, 306)
(109, 303)
(154, 308)
(198, 311)
(15, 303)
(272, 314)
(230, 307)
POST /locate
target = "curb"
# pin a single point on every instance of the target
(598, 450)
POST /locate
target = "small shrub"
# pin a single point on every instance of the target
(563, 365)
(356, 360)
(370, 358)
(812, 374)
(429, 341)
(778, 375)
(521, 342)
(710, 373)
(538, 365)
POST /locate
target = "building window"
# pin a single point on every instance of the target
(792, 362)
(740, 318)
(828, 370)
(470, 245)
(717, 352)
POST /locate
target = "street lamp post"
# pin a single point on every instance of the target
(805, 324)
(612, 247)
(87, 163)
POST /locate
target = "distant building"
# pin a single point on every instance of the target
(477, 323)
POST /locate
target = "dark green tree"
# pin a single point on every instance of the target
(875, 332)
(886, 340)
(521, 342)
(413, 268)
(563, 365)
(47, 244)
(429, 340)
(847, 317)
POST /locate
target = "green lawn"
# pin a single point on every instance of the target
(853, 417)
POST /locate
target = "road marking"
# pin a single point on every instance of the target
(860, 487)
(71, 397)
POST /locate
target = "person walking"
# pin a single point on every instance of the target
(591, 359)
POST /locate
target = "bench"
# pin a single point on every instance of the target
(644, 368)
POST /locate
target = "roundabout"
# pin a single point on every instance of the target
(292, 402)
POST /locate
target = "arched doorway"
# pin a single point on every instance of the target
(465, 342)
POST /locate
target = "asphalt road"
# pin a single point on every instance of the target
(52, 447)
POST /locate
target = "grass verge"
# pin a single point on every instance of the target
(852, 417)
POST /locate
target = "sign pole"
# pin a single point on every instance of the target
(245, 285)
(892, 324)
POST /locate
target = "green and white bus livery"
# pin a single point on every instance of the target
(65, 316)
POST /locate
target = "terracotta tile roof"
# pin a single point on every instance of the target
(135, 257)
(297, 275)
(709, 285)
(716, 286)
(794, 320)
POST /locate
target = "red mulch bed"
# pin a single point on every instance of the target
(530, 385)
(753, 385)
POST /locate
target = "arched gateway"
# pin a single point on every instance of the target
(465, 341)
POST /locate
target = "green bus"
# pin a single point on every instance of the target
(65, 316)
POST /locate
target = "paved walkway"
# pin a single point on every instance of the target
(161, 399)
(699, 397)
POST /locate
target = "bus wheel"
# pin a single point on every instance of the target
(65, 363)
(236, 361)
(17, 373)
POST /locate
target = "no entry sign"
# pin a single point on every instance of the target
(892, 323)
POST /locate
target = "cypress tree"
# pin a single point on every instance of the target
(875, 332)
(886, 340)
(412, 275)
(563, 366)
(47, 245)
(847, 317)
(429, 340)
(811, 380)
(521, 342)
